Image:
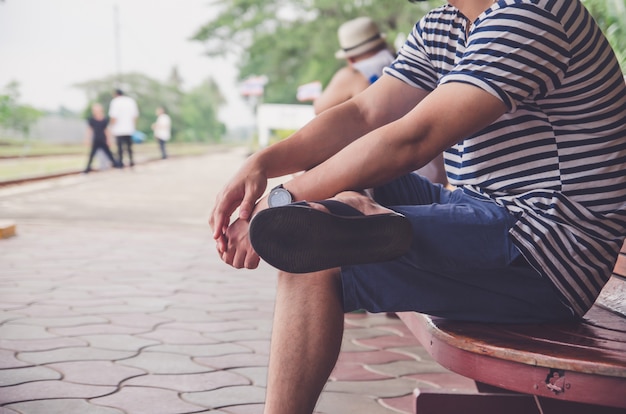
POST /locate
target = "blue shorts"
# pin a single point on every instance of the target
(462, 264)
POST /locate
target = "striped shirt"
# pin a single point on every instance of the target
(557, 158)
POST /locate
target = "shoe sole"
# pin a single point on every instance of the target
(305, 240)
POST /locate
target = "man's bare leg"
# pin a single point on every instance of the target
(306, 339)
(307, 331)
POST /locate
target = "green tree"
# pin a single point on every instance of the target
(13, 115)
(293, 41)
(199, 113)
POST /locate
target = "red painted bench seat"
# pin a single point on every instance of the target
(546, 368)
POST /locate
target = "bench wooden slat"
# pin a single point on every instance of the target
(515, 369)
(563, 346)
(587, 360)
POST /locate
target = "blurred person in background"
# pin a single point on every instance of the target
(123, 112)
(99, 135)
(162, 129)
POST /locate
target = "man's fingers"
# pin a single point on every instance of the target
(246, 208)
(221, 244)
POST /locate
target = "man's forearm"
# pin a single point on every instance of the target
(316, 142)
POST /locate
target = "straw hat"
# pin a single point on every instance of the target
(358, 36)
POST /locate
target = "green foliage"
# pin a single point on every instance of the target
(190, 121)
(611, 17)
(13, 115)
(199, 114)
(293, 42)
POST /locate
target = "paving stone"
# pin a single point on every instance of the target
(369, 320)
(136, 320)
(41, 344)
(190, 382)
(185, 315)
(363, 333)
(140, 400)
(355, 372)
(176, 336)
(73, 354)
(394, 387)
(119, 342)
(243, 409)
(404, 404)
(41, 390)
(50, 311)
(228, 396)
(100, 329)
(13, 307)
(401, 368)
(258, 347)
(256, 375)
(230, 361)
(245, 315)
(27, 374)
(348, 345)
(445, 380)
(155, 306)
(82, 300)
(240, 336)
(210, 327)
(95, 372)
(63, 321)
(372, 357)
(415, 351)
(334, 402)
(14, 330)
(163, 363)
(13, 298)
(202, 350)
(385, 342)
(262, 322)
(63, 406)
(8, 359)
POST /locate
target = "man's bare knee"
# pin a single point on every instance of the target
(325, 282)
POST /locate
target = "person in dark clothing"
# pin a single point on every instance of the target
(98, 130)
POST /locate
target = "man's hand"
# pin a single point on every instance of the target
(241, 192)
(239, 252)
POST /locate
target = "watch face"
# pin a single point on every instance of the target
(279, 197)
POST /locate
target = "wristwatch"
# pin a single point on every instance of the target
(279, 196)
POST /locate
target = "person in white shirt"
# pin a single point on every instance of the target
(162, 129)
(123, 112)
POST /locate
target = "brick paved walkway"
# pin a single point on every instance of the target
(113, 300)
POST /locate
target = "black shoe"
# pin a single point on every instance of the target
(299, 239)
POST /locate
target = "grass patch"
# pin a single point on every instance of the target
(43, 159)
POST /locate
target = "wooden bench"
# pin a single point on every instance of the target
(541, 368)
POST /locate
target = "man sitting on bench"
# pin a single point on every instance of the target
(528, 102)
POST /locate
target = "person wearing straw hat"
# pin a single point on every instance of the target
(366, 52)
(365, 49)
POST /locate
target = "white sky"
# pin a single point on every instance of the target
(49, 45)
